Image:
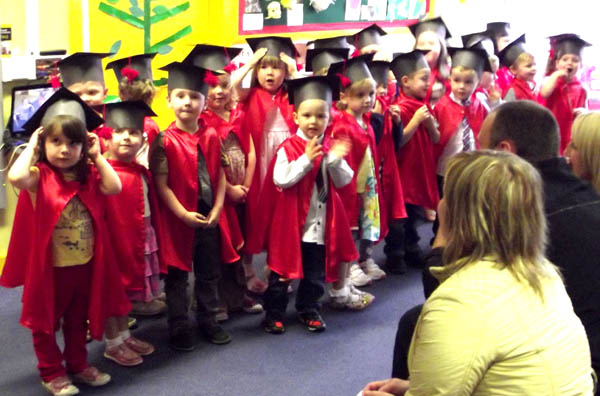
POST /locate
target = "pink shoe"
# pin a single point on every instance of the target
(141, 347)
(91, 376)
(121, 354)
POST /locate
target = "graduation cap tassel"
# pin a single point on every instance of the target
(230, 67)
(356, 49)
(130, 73)
(211, 79)
(344, 80)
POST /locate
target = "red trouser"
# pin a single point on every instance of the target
(71, 297)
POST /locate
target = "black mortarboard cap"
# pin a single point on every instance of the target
(410, 62)
(567, 44)
(319, 58)
(472, 58)
(127, 114)
(330, 42)
(479, 40)
(314, 87)
(274, 45)
(436, 25)
(369, 35)
(211, 57)
(186, 76)
(82, 67)
(64, 102)
(498, 29)
(380, 71)
(355, 69)
(511, 52)
(141, 63)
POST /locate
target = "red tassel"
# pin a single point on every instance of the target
(241, 65)
(355, 53)
(298, 66)
(211, 79)
(551, 53)
(130, 73)
(55, 81)
(230, 67)
(344, 80)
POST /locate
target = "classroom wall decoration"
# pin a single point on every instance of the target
(281, 16)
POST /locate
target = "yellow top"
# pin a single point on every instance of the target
(482, 332)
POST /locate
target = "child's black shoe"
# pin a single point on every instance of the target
(215, 333)
(312, 320)
(273, 325)
(182, 337)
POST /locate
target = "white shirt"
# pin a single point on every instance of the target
(455, 144)
(286, 174)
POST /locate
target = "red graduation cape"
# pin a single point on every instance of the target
(566, 97)
(346, 127)
(29, 261)
(285, 212)
(449, 115)
(151, 128)
(223, 129)
(255, 107)
(181, 149)
(503, 79)
(393, 207)
(416, 162)
(125, 216)
(522, 90)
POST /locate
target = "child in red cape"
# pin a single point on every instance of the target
(307, 234)
(58, 248)
(522, 65)
(563, 93)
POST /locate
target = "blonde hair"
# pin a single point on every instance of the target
(352, 89)
(143, 90)
(266, 61)
(523, 57)
(461, 69)
(586, 139)
(495, 212)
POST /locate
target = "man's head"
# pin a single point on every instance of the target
(522, 127)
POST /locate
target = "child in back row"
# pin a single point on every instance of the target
(267, 118)
(416, 162)
(240, 160)
(563, 93)
(307, 234)
(522, 65)
(133, 218)
(59, 242)
(185, 161)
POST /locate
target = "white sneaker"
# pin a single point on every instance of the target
(366, 296)
(358, 276)
(372, 269)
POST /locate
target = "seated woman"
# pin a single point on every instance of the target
(584, 149)
(500, 322)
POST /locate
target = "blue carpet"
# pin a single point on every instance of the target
(355, 349)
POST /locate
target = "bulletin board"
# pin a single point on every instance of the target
(284, 16)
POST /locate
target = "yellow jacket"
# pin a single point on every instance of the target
(483, 332)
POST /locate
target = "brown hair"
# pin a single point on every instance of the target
(353, 88)
(499, 218)
(266, 61)
(143, 90)
(74, 129)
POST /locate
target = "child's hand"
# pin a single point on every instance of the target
(560, 73)
(34, 142)
(313, 149)
(493, 94)
(194, 220)
(93, 146)
(395, 113)
(422, 114)
(579, 111)
(237, 193)
(213, 219)
(290, 63)
(340, 148)
(257, 56)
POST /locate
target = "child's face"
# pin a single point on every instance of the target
(186, 104)
(91, 92)
(525, 70)
(270, 77)
(381, 90)
(219, 96)
(312, 117)
(429, 41)
(487, 80)
(569, 63)
(125, 143)
(61, 152)
(360, 101)
(417, 84)
(463, 83)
